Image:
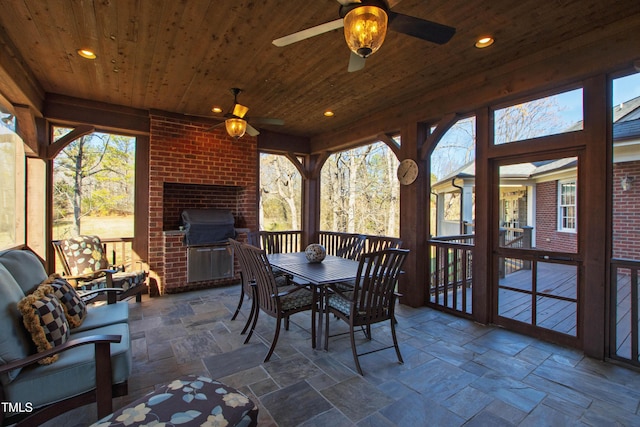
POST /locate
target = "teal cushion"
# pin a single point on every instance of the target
(103, 315)
(73, 373)
(15, 342)
(26, 268)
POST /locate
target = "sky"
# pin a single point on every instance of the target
(624, 89)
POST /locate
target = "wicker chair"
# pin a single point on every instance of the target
(372, 299)
(274, 301)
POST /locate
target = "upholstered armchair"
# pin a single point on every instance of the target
(84, 261)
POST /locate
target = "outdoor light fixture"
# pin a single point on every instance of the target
(364, 29)
(625, 182)
(235, 127)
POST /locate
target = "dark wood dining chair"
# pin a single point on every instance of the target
(372, 299)
(273, 301)
(247, 283)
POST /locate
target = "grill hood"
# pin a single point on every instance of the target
(207, 226)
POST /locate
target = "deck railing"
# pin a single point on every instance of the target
(624, 311)
(451, 278)
(512, 237)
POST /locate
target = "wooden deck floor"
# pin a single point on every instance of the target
(555, 304)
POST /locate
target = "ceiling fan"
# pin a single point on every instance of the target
(236, 122)
(365, 23)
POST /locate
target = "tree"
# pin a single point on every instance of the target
(280, 193)
(359, 191)
(94, 175)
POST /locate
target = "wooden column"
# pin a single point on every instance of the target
(481, 301)
(311, 197)
(595, 175)
(414, 219)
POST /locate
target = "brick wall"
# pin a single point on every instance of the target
(547, 235)
(626, 212)
(193, 165)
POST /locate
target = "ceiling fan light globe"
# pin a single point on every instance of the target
(235, 127)
(365, 28)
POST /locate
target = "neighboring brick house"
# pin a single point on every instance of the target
(552, 186)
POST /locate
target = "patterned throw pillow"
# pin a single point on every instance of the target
(75, 309)
(84, 254)
(43, 316)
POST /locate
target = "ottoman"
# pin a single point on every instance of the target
(188, 401)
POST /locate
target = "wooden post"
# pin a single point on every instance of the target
(414, 219)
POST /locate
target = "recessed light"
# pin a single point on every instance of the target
(216, 109)
(328, 113)
(485, 41)
(87, 53)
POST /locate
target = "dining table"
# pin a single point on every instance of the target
(332, 269)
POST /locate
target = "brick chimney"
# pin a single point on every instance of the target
(191, 166)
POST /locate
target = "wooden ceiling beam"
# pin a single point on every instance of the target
(66, 110)
(18, 83)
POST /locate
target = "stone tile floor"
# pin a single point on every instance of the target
(455, 373)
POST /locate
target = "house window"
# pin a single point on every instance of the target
(567, 206)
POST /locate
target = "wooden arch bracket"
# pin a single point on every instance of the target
(55, 148)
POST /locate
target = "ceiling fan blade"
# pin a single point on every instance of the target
(252, 131)
(356, 62)
(420, 28)
(266, 121)
(239, 110)
(215, 126)
(309, 32)
(348, 2)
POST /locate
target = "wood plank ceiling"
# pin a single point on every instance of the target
(184, 56)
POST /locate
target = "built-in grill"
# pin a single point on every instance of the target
(207, 232)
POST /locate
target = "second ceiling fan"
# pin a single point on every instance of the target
(236, 122)
(365, 25)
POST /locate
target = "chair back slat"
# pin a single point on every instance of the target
(245, 273)
(345, 245)
(276, 242)
(380, 243)
(57, 246)
(267, 288)
(374, 290)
